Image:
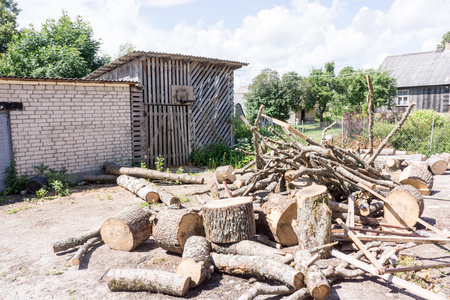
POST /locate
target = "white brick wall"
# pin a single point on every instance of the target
(78, 127)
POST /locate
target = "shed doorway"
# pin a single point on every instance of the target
(5, 147)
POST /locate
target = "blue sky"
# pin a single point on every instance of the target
(285, 35)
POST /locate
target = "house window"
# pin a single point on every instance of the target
(402, 98)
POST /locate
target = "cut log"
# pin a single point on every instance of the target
(172, 228)
(127, 230)
(155, 281)
(260, 266)
(437, 165)
(76, 259)
(314, 218)
(168, 198)
(229, 220)
(140, 187)
(393, 164)
(410, 200)
(196, 260)
(102, 178)
(71, 242)
(225, 173)
(279, 211)
(385, 151)
(418, 177)
(114, 169)
(446, 157)
(315, 280)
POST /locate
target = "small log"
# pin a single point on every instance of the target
(229, 220)
(225, 173)
(393, 164)
(363, 207)
(168, 198)
(446, 157)
(408, 199)
(196, 260)
(102, 178)
(266, 241)
(127, 230)
(76, 259)
(256, 265)
(418, 177)
(260, 289)
(71, 242)
(156, 281)
(279, 211)
(114, 169)
(140, 187)
(314, 218)
(315, 280)
(437, 165)
(172, 228)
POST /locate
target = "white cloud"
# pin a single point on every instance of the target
(165, 3)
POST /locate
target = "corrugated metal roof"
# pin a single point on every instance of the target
(60, 79)
(137, 54)
(419, 69)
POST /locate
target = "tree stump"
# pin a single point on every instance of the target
(437, 165)
(314, 218)
(156, 281)
(127, 230)
(225, 173)
(140, 187)
(196, 262)
(172, 228)
(279, 211)
(418, 177)
(409, 199)
(229, 220)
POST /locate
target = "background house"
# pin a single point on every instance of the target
(423, 78)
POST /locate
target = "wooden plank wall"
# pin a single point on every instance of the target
(138, 125)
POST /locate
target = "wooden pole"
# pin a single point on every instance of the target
(416, 268)
(370, 102)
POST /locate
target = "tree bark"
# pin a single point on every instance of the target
(230, 220)
(437, 165)
(172, 228)
(260, 289)
(140, 187)
(103, 178)
(168, 198)
(76, 259)
(155, 281)
(315, 280)
(314, 218)
(446, 157)
(196, 261)
(409, 199)
(279, 211)
(71, 242)
(127, 230)
(225, 173)
(114, 169)
(256, 265)
(418, 177)
(393, 164)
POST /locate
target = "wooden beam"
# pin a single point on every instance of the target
(398, 239)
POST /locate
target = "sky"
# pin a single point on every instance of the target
(295, 35)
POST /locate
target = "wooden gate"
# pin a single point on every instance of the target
(5, 147)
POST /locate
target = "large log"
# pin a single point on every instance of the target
(127, 230)
(279, 211)
(256, 265)
(151, 174)
(418, 177)
(314, 218)
(139, 187)
(156, 281)
(315, 280)
(71, 242)
(172, 228)
(437, 165)
(410, 200)
(196, 260)
(229, 220)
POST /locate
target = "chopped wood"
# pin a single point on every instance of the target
(418, 177)
(257, 265)
(168, 198)
(393, 164)
(225, 174)
(128, 229)
(156, 281)
(76, 259)
(437, 165)
(410, 200)
(101, 178)
(72, 242)
(264, 289)
(350, 221)
(140, 187)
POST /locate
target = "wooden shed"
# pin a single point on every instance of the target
(185, 102)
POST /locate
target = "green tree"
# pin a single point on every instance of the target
(8, 23)
(126, 48)
(445, 39)
(280, 96)
(62, 48)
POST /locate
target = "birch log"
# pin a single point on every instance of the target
(71, 242)
(140, 187)
(76, 259)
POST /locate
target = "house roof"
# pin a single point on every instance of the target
(32, 79)
(139, 54)
(419, 69)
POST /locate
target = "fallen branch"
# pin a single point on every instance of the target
(76, 259)
(71, 242)
(263, 289)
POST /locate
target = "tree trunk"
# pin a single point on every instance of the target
(127, 230)
(172, 228)
(155, 281)
(256, 265)
(151, 174)
(168, 198)
(314, 218)
(279, 211)
(230, 220)
(140, 187)
(225, 173)
(196, 261)
(103, 178)
(408, 198)
(71, 242)
(315, 280)
(418, 177)
(76, 259)
(437, 165)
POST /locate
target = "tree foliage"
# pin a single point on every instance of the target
(279, 95)
(445, 39)
(126, 48)
(62, 48)
(323, 81)
(8, 22)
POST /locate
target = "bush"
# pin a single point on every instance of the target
(215, 155)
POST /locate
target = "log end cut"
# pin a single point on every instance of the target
(410, 200)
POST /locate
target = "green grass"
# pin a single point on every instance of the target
(314, 131)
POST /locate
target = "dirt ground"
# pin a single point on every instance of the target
(30, 270)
